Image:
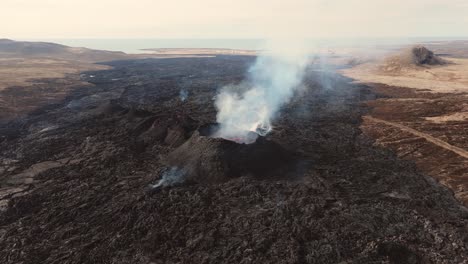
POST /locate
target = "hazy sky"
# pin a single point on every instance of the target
(231, 19)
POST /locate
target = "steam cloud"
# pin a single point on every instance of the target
(183, 95)
(170, 177)
(254, 103)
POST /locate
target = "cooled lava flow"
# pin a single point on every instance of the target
(209, 159)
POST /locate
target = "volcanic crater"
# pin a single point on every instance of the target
(86, 201)
(206, 158)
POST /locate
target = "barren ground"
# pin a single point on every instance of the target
(23, 72)
(74, 176)
(423, 113)
(428, 128)
(443, 79)
(29, 83)
(33, 79)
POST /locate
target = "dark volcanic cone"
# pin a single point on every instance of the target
(421, 55)
(413, 57)
(213, 160)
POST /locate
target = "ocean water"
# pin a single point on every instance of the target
(138, 45)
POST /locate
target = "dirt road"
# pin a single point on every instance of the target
(428, 137)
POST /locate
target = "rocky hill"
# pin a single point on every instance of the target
(416, 56)
(13, 49)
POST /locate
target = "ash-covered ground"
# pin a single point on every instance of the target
(75, 179)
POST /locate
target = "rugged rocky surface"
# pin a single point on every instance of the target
(75, 179)
(205, 159)
(427, 128)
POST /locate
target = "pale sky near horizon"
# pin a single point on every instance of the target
(232, 19)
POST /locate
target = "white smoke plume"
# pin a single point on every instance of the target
(183, 95)
(170, 177)
(271, 81)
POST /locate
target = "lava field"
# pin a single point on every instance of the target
(76, 177)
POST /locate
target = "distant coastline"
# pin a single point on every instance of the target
(200, 51)
(136, 46)
(139, 46)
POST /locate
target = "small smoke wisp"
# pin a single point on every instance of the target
(252, 105)
(183, 95)
(170, 177)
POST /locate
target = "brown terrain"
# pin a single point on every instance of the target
(430, 129)
(426, 120)
(346, 176)
(34, 74)
(43, 73)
